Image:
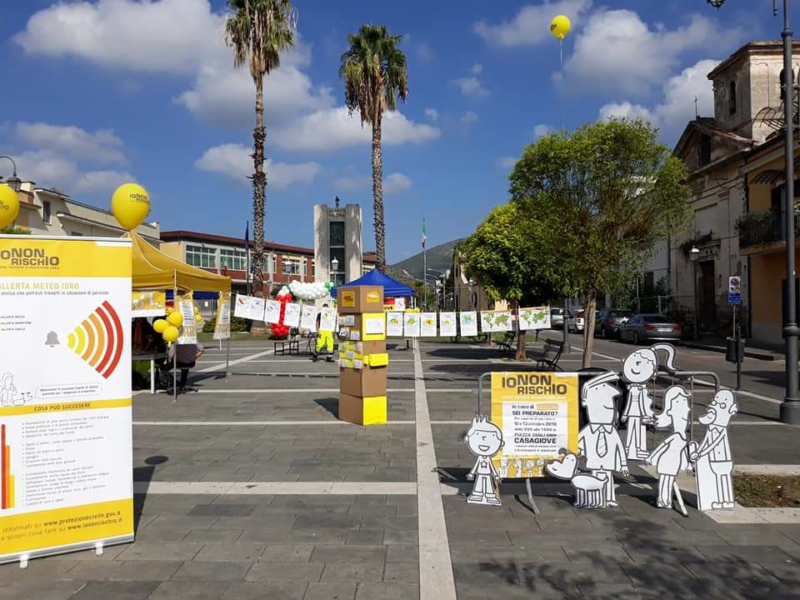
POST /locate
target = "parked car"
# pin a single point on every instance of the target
(609, 320)
(557, 318)
(576, 320)
(642, 329)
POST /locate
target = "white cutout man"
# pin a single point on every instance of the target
(484, 439)
(713, 459)
(670, 456)
(639, 368)
(599, 442)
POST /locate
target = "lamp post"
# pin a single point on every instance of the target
(694, 254)
(790, 408)
(335, 270)
(14, 182)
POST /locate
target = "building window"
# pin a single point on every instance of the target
(305, 267)
(732, 97)
(198, 256)
(337, 233)
(273, 264)
(705, 150)
(235, 260)
(47, 212)
(291, 266)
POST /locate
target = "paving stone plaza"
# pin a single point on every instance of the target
(251, 488)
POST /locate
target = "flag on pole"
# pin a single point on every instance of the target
(247, 236)
(424, 234)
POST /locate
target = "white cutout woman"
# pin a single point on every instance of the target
(639, 368)
(671, 455)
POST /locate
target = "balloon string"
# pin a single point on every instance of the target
(561, 104)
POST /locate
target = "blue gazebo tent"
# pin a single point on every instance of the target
(391, 287)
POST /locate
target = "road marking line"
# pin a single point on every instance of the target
(253, 423)
(324, 391)
(436, 580)
(238, 361)
(276, 488)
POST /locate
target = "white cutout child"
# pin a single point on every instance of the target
(713, 459)
(485, 439)
(599, 441)
(530, 464)
(503, 467)
(518, 467)
(639, 368)
(8, 391)
(671, 456)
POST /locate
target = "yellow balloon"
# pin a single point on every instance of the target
(160, 325)
(175, 319)
(171, 334)
(560, 26)
(9, 205)
(130, 205)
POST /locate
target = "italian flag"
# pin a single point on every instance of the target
(424, 234)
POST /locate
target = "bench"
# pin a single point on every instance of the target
(549, 355)
(506, 345)
(287, 347)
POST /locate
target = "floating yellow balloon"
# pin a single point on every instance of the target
(560, 26)
(130, 205)
(171, 334)
(175, 319)
(160, 325)
(9, 205)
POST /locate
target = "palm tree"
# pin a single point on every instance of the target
(374, 73)
(258, 31)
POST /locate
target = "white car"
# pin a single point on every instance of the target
(577, 321)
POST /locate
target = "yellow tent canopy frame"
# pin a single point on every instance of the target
(154, 270)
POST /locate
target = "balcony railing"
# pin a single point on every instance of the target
(764, 227)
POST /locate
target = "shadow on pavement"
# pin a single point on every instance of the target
(144, 475)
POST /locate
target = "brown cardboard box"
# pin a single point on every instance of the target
(362, 411)
(363, 382)
(360, 299)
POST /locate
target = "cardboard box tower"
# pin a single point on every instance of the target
(363, 360)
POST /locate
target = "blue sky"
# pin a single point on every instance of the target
(105, 91)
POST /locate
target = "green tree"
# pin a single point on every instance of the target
(374, 73)
(602, 196)
(258, 31)
(504, 257)
(13, 230)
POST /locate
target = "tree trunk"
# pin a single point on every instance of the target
(588, 328)
(522, 348)
(377, 196)
(259, 200)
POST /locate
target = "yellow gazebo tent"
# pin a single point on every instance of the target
(154, 270)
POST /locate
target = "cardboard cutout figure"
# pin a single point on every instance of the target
(599, 441)
(639, 368)
(590, 491)
(485, 439)
(713, 459)
(671, 456)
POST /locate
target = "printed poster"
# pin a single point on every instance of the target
(487, 321)
(400, 304)
(375, 324)
(65, 395)
(272, 312)
(468, 322)
(394, 324)
(327, 320)
(447, 324)
(538, 414)
(291, 317)
(149, 303)
(534, 318)
(185, 306)
(257, 308)
(249, 307)
(503, 320)
(222, 324)
(241, 310)
(308, 318)
(428, 324)
(411, 326)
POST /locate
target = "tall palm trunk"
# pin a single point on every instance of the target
(259, 198)
(377, 195)
(588, 328)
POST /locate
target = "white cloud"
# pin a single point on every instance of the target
(52, 170)
(351, 184)
(166, 36)
(425, 52)
(542, 130)
(101, 146)
(531, 25)
(619, 52)
(334, 128)
(677, 106)
(396, 182)
(224, 95)
(99, 182)
(432, 114)
(469, 118)
(472, 86)
(507, 162)
(477, 69)
(235, 161)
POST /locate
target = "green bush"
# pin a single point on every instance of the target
(238, 325)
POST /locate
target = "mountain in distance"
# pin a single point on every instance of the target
(440, 258)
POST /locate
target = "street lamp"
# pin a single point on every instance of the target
(14, 182)
(790, 408)
(335, 269)
(694, 254)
